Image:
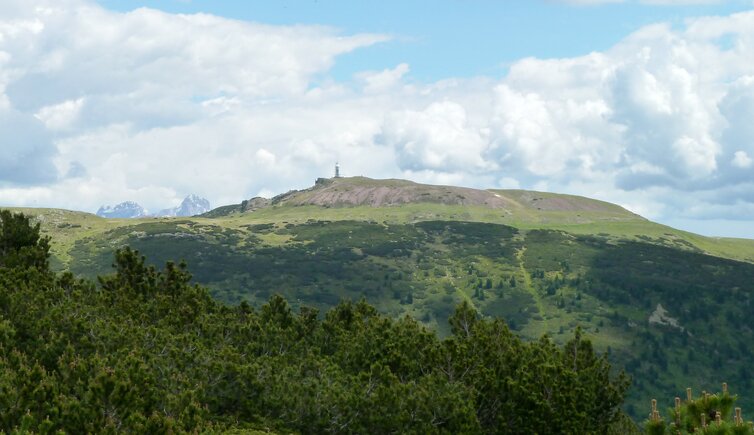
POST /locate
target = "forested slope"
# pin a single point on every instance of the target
(144, 351)
(671, 316)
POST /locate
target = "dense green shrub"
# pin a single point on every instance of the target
(709, 414)
(20, 243)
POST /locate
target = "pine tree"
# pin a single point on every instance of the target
(706, 415)
(20, 242)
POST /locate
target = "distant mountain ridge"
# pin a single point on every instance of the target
(124, 210)
(192, 205)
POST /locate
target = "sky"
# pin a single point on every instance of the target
(645, 103)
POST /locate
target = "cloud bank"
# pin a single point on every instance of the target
(98, 107)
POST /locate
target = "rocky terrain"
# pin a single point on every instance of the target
(362, 191)
(367, 192)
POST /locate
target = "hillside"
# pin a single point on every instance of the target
(544, 262)
(402, 201)
(143, 350)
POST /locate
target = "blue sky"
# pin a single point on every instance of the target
(643, 103)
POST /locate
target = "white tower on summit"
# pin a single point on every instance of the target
(337, 170)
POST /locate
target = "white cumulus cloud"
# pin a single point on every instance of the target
(60, 116)
(741, 159)
(439, 137)
(385, 80)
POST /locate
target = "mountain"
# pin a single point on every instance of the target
(403, 201)
(146, 351)
(192, 205)
(357, 192)
(127, 209)
(671, 307)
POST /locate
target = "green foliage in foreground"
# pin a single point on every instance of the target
(145, 351)
(20, 242)
(710, 414)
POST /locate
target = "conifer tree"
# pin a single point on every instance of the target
(20, 242)
(708, 414)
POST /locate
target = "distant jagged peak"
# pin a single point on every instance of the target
(192, 205)
(124, 210)
(195, 199)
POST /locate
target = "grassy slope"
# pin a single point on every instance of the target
(529, 210)
(525, 210)
(66, 227)
(596, 223)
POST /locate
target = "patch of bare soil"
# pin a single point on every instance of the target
(537, 201)
(342, 193)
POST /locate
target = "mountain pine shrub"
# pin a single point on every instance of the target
(708, 414)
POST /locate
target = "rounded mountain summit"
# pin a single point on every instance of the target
(408, 200)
